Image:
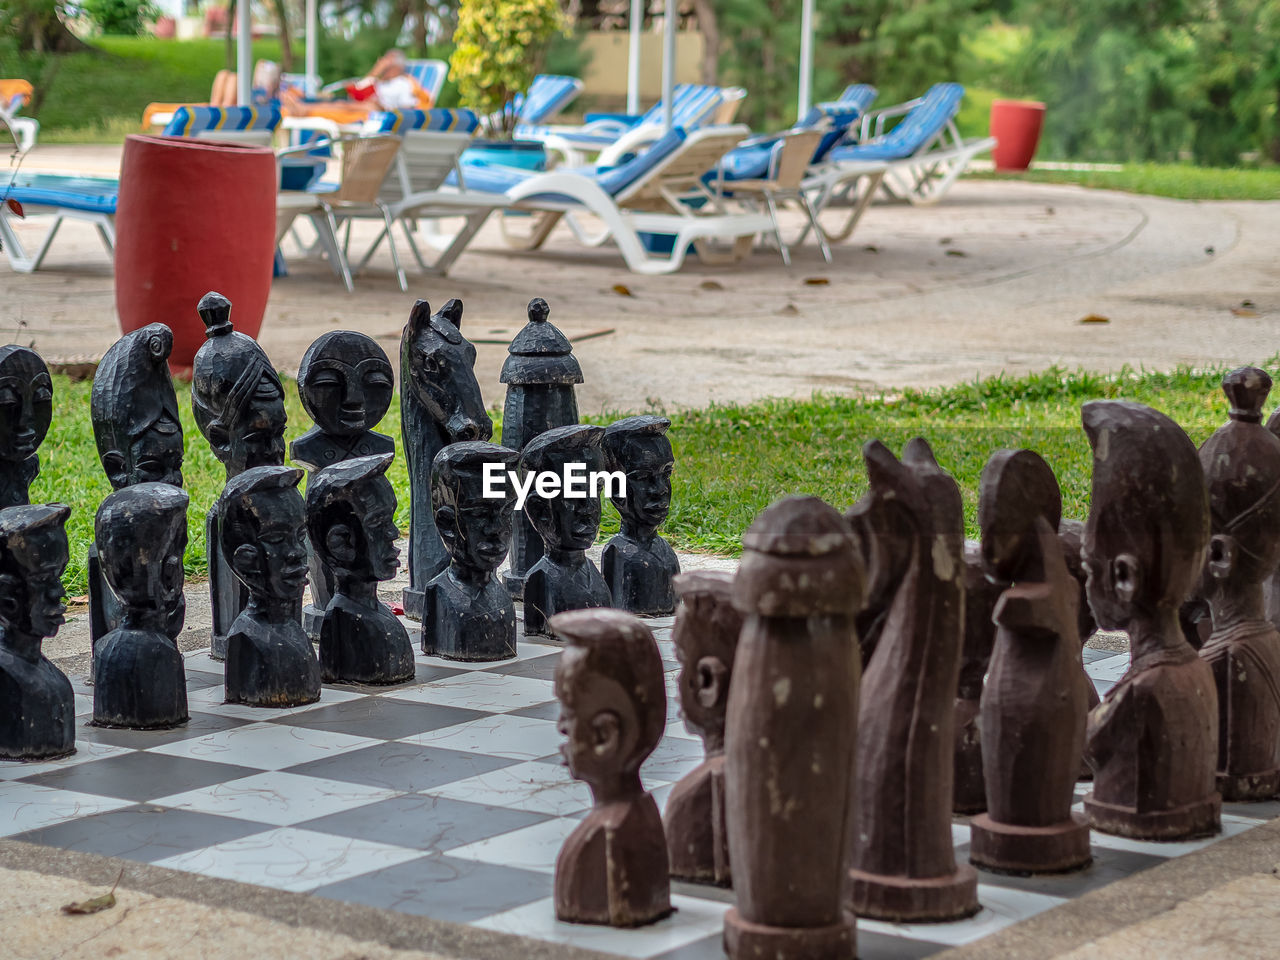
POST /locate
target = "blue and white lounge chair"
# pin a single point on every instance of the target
(89, 199)
(548, 95)
(614, 136)
(252, 125)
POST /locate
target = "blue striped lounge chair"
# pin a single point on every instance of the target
(88, 199)
(547, 96)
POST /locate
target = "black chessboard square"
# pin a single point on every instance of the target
(382, 717)
(539, 711)
(140, 776)
(198, 725)
(539, 668)
(401, 766)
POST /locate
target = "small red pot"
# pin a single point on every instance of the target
(193, 216)
(1016, 125)
(165, 28)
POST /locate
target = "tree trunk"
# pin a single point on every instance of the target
(231, 34)
(39, 29)
(421, 10)
(286, 41)
(706, 13)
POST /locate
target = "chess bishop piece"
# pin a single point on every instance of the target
(1242, 468)
(26, 410)
(706, 639)
(613, 868)
(1153, 741)
(238, 404)
(469, 614)
(790, 732)
(440, 404)
(37, 704)
(540, 373)
(345, 383)
(637, 563)
(1035, 702)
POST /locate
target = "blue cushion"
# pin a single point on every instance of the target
(93, 194)
(190, 120)
(924, 122)
(460, 120)
(547, 96)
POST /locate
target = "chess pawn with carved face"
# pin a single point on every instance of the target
(469, 614)
(613, 704)
(140, 678)
(563, 578)
(637, 563)
(706, 639)
(26, 410)
(351, 519)
(37, 721)
(270, 662)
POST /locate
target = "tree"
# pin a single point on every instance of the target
(37, 26)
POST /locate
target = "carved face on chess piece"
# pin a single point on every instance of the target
(351, 510)
(135, 410)
(639, 447)
(706, 639)
(564, 523)
(264, 533)
(613, 707)
(475, 529)
(26, 409)
(345, 383)
(236, 395)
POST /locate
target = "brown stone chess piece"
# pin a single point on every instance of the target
(969, 794)
(1034, 704)
(1152, 742)
(790, 734)
(1242, 469)
(903, 865)
(613, 709)
(706, 638)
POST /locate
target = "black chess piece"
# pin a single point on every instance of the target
(140, 680)
(351, 510)
(345, 383)
(270, 662)
(540, 373)
(440, 404)
(564, 578)
(26, 409)
(637, 563)
(139, 437)
(238, 404)
(37, 716)
(469, 614)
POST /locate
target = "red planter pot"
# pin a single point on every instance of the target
(1016, 126)
(193, 216)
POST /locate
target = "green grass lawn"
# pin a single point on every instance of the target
(731, 461)
(1180, 181)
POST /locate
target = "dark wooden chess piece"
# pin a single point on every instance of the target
(540, 373)
(270, 662)
(238, 404)
(1071, 536)
(969, 794)
(139, 437)
(564, 578)
(37, 716)
(612, 869)
(790, 731)
(469, 614)
(637, 563)
(903, 866)
(140, 680)
(1153, 741)
(26, 409)
(1035, 703)
(706, 639)
(345, 383)
(1271, 586)
(440, 404)
(1242, 469)
(351, 510)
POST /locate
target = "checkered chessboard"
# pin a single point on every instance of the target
(444, 797)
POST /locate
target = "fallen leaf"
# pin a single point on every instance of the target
(711, 285)
(871, 248)
(956, 253)
(945, 241)
(622, 290)
(1248, 304)
(1209, 251)
(1095, 318)
(16, 207)
(1049, 211)
(816, 281)
(96, 904)
(788, 311)
(1244, 312)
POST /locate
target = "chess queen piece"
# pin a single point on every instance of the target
(469, 614)
(613, 868)
(270, 662)
(351, 510)
(1035, 703)
(564, 578)
(637, 563)
(139, 437)
(238, 404)
(790, 730)
(345, 383)
(140, 680)
(1153, 741)
(1242, 469)
(903, 866)
(706, 639)
(440, 404)
(37, 719)
(540, 373)
(26, 409)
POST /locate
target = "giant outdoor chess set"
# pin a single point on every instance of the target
(857, 681)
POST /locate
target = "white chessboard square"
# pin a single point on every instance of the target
(479, 690)
(535, 847)
(536, 787)
(1001, 907)
(86, 750)
(277, 798)
(210, 700)
(266, 746)
(29, 806)
(1108, 669)
(1230, 827)
(497, 735)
